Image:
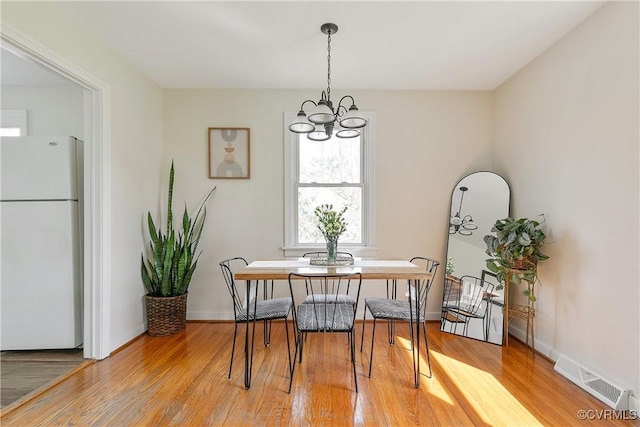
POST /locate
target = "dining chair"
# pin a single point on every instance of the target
(325, 314)
(265, 309)
(393, 309)
(473, 301)
(329, 294)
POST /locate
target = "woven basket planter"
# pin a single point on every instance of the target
(166, 315)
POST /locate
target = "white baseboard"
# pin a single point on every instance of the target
(541, 347)
(209, 315)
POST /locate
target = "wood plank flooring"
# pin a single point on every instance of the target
(23, 372)
(182, 380)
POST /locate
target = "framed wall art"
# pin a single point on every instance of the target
(229, 153)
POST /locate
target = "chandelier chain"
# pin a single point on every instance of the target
(329, 66)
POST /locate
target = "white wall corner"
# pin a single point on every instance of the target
(634, 404)
(541, 347)
(121, 340)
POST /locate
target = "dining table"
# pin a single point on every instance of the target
(370, 269)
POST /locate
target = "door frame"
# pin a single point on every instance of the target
(97, 188)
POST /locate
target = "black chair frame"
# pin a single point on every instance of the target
(398, 313)
(327, 315)
(243, 314)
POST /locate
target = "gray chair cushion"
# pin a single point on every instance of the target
(383, 308)
(325, 317)
(330, 298)
(276, 308)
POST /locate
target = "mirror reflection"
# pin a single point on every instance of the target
(472, 306)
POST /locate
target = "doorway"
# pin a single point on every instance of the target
(96, 259)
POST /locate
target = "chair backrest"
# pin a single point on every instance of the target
(229, 266)
(451, 292)
(329, 312)
(430, 265)
(319, 254)
(475, 295)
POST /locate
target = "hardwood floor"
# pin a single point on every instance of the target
(182, 380)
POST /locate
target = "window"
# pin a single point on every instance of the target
(338, 171)
(13, 122)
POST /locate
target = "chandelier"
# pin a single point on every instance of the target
(462, 225)
(323, 120)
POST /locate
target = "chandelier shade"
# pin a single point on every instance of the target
(320, 122)
(352, 119)
(301, 124)
(322, 114)
(347, 133)
(318, 134)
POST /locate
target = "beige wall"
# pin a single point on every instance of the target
(136, 148)
(425, 142)
(566, 137)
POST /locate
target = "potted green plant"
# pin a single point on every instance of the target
(331, 224)
(515, 251)
(450, 267)
(167, 269)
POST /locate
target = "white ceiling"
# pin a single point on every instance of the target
(473, 45)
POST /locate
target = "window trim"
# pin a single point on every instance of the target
(290, 248)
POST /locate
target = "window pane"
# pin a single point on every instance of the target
(311, 197)
(10, 132)
(333, 161)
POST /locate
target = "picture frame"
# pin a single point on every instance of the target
(229, 153)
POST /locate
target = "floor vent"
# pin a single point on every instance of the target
(613, 395)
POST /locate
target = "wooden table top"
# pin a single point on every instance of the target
(370, 269)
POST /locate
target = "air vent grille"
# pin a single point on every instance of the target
(611, 394)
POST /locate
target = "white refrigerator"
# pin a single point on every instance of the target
(40, 258)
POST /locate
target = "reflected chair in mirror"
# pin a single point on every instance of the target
(329, 292)
(393, 310)
(265, 309)
(450, 298)
(464, 301)
(325, 313)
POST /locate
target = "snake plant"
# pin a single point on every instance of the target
(172, 259)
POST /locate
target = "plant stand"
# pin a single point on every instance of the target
(525, 312)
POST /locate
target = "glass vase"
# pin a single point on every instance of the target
(332, 249)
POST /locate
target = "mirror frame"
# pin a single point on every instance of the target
(483, 271)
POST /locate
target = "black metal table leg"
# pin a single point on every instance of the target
(417, 371)
(247, 368)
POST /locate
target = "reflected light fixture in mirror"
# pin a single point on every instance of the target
(462, 224)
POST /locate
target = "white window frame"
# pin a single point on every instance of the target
(11, 119)
(368, 247)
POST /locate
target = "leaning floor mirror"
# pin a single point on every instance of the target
(472, 298)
